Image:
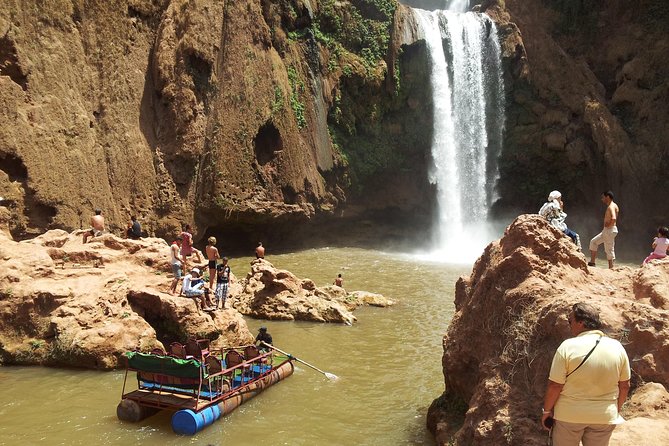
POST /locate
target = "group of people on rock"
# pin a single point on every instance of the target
(553, 211)
(193, 284)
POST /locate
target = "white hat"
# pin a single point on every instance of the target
(554, 195)
(196, 271)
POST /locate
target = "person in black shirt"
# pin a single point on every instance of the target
(134, 229)
(265, 337)
(222, 282)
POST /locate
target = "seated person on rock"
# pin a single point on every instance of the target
(193, 286)
(97, 226)
(134, 230)
(553, 211)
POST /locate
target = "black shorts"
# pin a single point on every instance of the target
(212, 264)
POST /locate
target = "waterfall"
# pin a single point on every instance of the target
(467, 91)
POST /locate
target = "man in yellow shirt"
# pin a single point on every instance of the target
(588, 383)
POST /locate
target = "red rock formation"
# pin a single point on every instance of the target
(270, 293)
(511, 316)
(64, 303)
(215, 113)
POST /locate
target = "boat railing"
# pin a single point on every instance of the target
(205, 381)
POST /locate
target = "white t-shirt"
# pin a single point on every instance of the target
(186, 283)
(175, 259)
(590, 394)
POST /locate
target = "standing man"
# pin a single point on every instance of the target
(212, 255)
(608, 234)
(175, 249)
(97, 225)
(588, 383)
(223, 280)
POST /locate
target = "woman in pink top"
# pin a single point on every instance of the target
(187, 248)
(660, 245)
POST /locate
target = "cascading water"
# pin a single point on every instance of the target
(468, 111)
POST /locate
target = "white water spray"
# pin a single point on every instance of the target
(467, 91)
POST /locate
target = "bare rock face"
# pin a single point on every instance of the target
(581, 81)
(65, 303)
(222, 114)
(511, 316)
(270, 293)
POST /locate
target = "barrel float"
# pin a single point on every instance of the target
(189, 422)
(130, 410)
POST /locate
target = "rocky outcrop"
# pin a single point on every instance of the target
(511, 316)
(68, 304)
(270, 293)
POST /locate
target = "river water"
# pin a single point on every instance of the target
(388, 363)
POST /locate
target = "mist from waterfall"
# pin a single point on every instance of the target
(467, 91)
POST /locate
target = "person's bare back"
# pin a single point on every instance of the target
(98, 222)
(97, 226)
(212, 252)
(260, 251)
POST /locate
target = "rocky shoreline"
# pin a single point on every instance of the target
(63, 303)
(510, 318)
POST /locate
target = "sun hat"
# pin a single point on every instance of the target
(195, 270)
(554, 195)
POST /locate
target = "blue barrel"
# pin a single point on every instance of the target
(187, 422)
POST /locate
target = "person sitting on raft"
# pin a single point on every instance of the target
(553, 211)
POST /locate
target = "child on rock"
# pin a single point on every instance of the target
(660, 245)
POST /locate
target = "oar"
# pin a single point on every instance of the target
(330, 376)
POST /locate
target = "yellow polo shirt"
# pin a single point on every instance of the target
(590, 394)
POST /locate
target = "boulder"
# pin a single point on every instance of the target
(648, 413)
(270, 293)
(510, 318)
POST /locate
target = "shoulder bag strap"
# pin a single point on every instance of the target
(586, 357)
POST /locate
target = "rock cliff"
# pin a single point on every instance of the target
(237, 116)
(241, 116)
(511, 316)
(584, 81)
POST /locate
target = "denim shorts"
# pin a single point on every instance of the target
(176, 270)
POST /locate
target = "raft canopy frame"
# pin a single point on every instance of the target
(166, 382)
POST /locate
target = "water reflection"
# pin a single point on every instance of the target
(389, 364)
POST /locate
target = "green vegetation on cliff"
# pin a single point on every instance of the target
(355, 37)
(361, 27)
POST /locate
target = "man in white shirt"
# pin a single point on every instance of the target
(193, 286)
